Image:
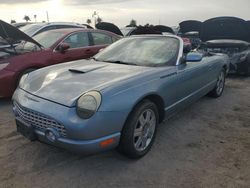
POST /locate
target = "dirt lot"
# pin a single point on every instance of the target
(206, 145)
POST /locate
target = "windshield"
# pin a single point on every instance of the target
(31, 29)
(142, 51)
(46, 39)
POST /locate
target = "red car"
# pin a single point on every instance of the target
(20, 53)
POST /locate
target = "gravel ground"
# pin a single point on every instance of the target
(206, 145)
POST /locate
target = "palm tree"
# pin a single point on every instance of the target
(88, 21)
(26, 18)
(99, 20)
(133, 23)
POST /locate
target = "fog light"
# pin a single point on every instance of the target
(50, 135)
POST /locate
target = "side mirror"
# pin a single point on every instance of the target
(63, 47)
(193, 57)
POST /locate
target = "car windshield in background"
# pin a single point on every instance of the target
(31, 29)
(47, 39)
(142, 51)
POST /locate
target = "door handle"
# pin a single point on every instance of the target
(210, 67)
(88, 51)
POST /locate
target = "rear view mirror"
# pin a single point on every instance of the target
(193, 57)
(63, 47)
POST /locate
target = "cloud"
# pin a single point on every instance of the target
(7, 2)
(94, 2)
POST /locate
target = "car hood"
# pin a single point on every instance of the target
(64, 83)
(190, 25)
(109, 27)
(224, 43)
(13, 35)
(225, 28)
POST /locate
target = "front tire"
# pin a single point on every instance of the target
(220, 85)
(139, 130)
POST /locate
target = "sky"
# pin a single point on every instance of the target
(120, 12)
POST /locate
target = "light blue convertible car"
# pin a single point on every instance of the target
(118, 98)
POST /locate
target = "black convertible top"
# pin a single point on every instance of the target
(140, 30)
(225, 28)
(163, 28)
(189, 26)
(109, 27)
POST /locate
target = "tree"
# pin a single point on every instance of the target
(88, 21)
(99, 20)
(12, 21)
(133, 23)
(26, 18)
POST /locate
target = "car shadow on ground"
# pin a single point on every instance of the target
(5, 102)
(237, 76)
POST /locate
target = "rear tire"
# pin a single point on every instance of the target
(139, 130)
(247, 73)
(220, 85)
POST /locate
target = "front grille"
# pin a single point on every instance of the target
(38, 120)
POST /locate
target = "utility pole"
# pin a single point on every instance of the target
(47, 16)
(95, 15)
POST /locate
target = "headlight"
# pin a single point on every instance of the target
(88, 104)
(22, 80)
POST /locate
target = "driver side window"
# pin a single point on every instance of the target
(78, 40)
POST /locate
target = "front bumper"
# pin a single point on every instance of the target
(81, 146)
(7, 83)
(84, 136)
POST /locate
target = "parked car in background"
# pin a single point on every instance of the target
(36, 28)
(139, 30)
(231, 36)
(21, 24)
(118, 98)
(47, 48)
(191, 29)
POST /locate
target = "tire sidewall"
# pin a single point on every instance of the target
(127, 137)
(224, 80)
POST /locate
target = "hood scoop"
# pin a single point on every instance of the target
(77, 71)
(83, 70)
